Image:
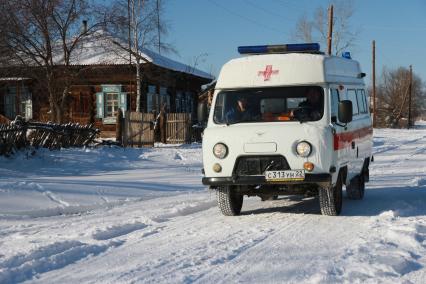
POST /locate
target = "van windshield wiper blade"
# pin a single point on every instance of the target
(239, 121)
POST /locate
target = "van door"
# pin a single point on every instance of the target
(354, 127)
(341, 144)
(366, 130)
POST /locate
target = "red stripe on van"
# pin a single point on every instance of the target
(343, 140)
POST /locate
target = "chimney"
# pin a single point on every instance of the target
(84, 26)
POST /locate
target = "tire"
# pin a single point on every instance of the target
(228, 201)
(269, 198)
(356, 188)
(330, 199)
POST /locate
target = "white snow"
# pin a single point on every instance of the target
(100, 49)
(111, 215)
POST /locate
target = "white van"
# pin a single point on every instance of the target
(287, 119)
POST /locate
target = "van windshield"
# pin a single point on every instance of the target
(301, 103)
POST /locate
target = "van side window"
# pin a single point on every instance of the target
(334, 99)
(352, 98)
(361, 101)
(364, 97)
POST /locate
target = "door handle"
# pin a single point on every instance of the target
(353, 144)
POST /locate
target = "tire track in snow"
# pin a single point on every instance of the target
(284, 224)
(210, 253)
(389, 148)
(51, 257)
(184, 209)
(122, 230)
(393, 252)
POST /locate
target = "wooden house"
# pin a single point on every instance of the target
(106, 81)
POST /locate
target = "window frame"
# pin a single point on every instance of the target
(331, 103)
(356, 101)
(360, 99)
(223, 107)
(106, 100)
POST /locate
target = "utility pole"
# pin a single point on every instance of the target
(330, 29)
(129, 31)
(410, 89)
(158, 27)
(374, 84)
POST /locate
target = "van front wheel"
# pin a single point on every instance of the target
(229, 201)
(330, 198)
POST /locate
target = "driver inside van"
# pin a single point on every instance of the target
(240, 112)
(311, 108)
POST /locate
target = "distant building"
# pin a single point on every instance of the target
(105, 83)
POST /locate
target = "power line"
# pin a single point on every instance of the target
(259, 24)
(268, 11)
(293, 6)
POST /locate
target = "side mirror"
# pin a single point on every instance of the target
(345, 111)
(202, 112)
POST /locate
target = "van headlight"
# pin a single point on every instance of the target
(303, 149)
(220, 150)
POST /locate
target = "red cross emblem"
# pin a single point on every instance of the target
(267, 73)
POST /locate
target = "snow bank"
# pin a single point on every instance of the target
(142, 216)
(77, 180)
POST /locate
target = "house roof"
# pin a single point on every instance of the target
(101, 50)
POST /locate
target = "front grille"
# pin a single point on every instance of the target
(257, 165)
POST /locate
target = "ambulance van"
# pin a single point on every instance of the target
(287, 120)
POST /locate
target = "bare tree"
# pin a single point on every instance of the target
(392, 97)
(315, 29)
(137, 25)
(46, 34)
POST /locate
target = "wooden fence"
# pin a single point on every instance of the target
(21, 134)
(138, 129)
(12, 137)
(178, 128)
(143, 129)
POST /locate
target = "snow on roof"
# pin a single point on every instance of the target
(14, 79)
(99, 50)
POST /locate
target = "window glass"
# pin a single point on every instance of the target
(364, 98)
(334, 98)
(26, 103)
(352, 97)
(111, 104)
(164, 98)
(152, 99)
(302, 103)
(9, 102)
(360, 101)
(189, 102)
(178, 101)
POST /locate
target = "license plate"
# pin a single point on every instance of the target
(290, 175)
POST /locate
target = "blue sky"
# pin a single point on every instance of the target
(213, 29)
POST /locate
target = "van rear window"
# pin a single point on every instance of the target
(301, 103)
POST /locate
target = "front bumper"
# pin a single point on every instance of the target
(260, 180)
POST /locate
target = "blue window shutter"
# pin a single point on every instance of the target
(99, 105)
(123, 102)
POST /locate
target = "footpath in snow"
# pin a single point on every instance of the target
(112, 215)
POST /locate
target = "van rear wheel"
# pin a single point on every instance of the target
(330, 198)
(229, 201)
(356, 188)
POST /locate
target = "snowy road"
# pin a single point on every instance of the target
(114, 216)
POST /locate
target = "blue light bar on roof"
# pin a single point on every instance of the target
(279, 48)
(346, 55)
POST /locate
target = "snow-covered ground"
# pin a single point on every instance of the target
(111, 215)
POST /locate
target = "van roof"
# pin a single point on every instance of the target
(271, 70)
